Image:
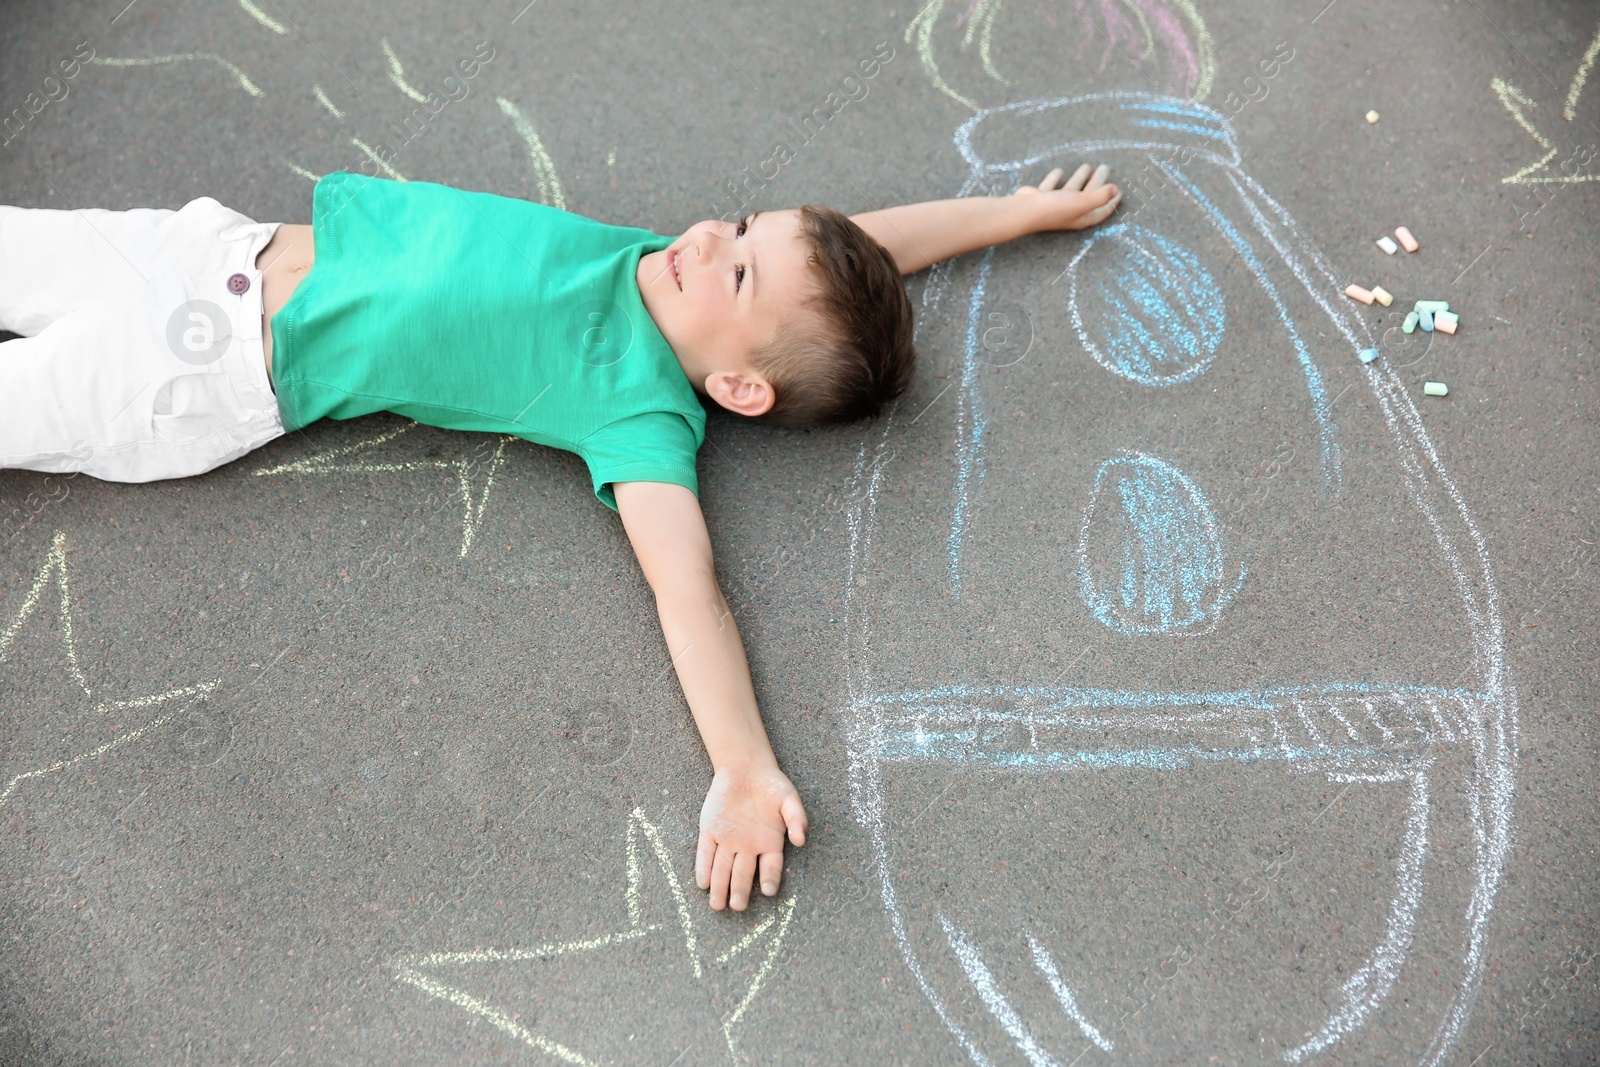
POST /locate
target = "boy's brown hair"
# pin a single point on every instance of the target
(855, 353)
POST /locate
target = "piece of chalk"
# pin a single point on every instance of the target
(1444, 324)
(1410, 323)
(1355, 292)
(1387, 244)
(1368, 355)
(1445, 316)
(1435, 389)
(1372, 116)
(1382, 295)
(1407, 242)
(1432, 305)
(1425, 320)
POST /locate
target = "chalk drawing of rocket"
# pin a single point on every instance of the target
(1135, 624)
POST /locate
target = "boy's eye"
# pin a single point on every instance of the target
(743, 224)
(738, 277)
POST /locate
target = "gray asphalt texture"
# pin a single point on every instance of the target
(417, 722)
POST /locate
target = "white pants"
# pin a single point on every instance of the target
(137, 359)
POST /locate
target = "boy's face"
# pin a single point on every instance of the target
(723, 290)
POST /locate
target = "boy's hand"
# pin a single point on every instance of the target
(742, 824)
(1077, 203)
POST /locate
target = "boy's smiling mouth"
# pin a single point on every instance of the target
(672, 264)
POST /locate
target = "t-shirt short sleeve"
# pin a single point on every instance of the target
(654, 446)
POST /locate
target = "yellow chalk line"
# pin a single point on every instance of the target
(261, 16)
(1144, 28)
(382, 163)
(397, 74)
(322, 98)
(1514, 100)
(766, 969)
(495, 1016)
(748, 939)
(1579, 78)
(145, 61)
(1208, 50)
(471, 520)
(544, 171)
(922, 26)
(55, 560)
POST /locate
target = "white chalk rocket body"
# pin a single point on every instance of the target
(1194, 545)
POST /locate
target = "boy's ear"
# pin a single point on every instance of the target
(741, 392)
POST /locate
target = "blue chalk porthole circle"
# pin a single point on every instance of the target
(1148, 311)
(1150, 556)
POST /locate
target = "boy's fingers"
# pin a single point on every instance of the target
(744, 872)
(702, 859)
(720, 869)
(1099, 177)
(794, 818)
(1079, 176)
(1052, 179)
(771, 872)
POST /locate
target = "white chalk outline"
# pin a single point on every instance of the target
(1485, 715)
(472, 512)
(409, 969)
(55, 563)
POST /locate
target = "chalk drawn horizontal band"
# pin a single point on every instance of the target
(924, 746)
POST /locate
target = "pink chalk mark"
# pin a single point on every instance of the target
(1123, 40)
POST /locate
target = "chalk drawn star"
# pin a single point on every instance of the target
(357, 459)
(1519, 103)
(658, 956)
(171, 701)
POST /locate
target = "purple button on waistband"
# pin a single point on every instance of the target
(238, 283)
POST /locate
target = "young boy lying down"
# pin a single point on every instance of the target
(161, 344)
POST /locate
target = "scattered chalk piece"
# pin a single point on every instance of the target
(1432, 305)
(1435, 389)
(1387, 244)
(1408, 242)
(1425, 320)
(1445, 322)
(1355, 292)
(1372, 117)
(1410, 323)
(1382, 295)
(1368, 355)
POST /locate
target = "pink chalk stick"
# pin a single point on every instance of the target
(1407, 242)
(1443, 325)
(1358, 293)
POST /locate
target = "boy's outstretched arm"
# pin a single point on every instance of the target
(918, 235)
(751, 802)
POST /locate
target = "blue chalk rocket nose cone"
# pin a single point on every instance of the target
(1159, 547)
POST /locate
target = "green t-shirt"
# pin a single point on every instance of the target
(471, 311)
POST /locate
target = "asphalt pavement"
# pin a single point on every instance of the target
(1166, 684)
